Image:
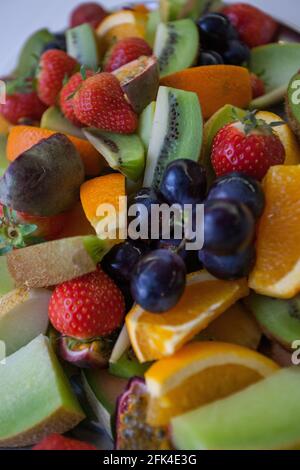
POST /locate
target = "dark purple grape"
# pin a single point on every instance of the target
(158, 281)
(59, 42)
(241, 188)
(230, 267)
(144, 199)
(210, 58)
(228, 226)
(184, 182)
(120, 262)
(236, 53)
(215, 30)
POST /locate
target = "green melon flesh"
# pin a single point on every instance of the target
(176, 45)
(264, 416)
(128, 366)
(51, 263)
(54, 120)
(218, 120)
(179, 112)
(36, 398)
(279, 318)
(23, 316)
(275, 64)
(102, 390)
(7, 283)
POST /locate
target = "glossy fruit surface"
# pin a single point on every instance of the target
(184, 182)
(230, 267)
(125, 51)
(228, 226)
(120, 262)
(240, 188)
(90, 12)
(87, 307)
(215, 29)
(67, 94)
(236, 52)
(158, 281)
(205, 298)
(210, 58)
(254, 26)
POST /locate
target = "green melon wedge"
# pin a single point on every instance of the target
(264, 416)
(36, 398)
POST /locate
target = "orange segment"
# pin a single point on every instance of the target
(120, 25)
(286, 135)
(101, 191)
(198, 374)
(277, 269)
(22, 138)
(215, 86)
(154, 336)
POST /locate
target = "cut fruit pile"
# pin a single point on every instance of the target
(149, 231)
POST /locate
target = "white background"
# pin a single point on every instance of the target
(19, 18)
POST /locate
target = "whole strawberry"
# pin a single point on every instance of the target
(22, 102)
(125, 51)
(58, 442)
(54, 67)
(100, 102)
(249, 146)
(68, 92)
(91, 13)
(255, 27)
(87, 307)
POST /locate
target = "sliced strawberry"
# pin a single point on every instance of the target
(100, 102)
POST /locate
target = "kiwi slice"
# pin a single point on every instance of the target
(146, 123)
(128, 366)
(151, 27)
(54, 120)
(122, 152)
(82, 45)
(293, 104)
(279, 318)
(3, 160)
(31, 51)
(177, 9)
(176, 45)
(176, 132)
(51, 263)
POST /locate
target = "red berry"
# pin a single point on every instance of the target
(22, 102)
(100, 102)
(87, 307)
(126, 51)
(255, 27)
(54, 67)
(257, 85)
(251, 153)
(91, 13)
(58, 442)
(67, 95)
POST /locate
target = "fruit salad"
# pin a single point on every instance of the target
(150, 231)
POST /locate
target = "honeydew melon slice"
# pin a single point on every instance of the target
(36, 397)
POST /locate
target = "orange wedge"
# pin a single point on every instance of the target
(286, 135)
(198, 374)
(101, 198)
(277, 269)
(120, 25)
(155, 336)
(215, 86)
(22, 138)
